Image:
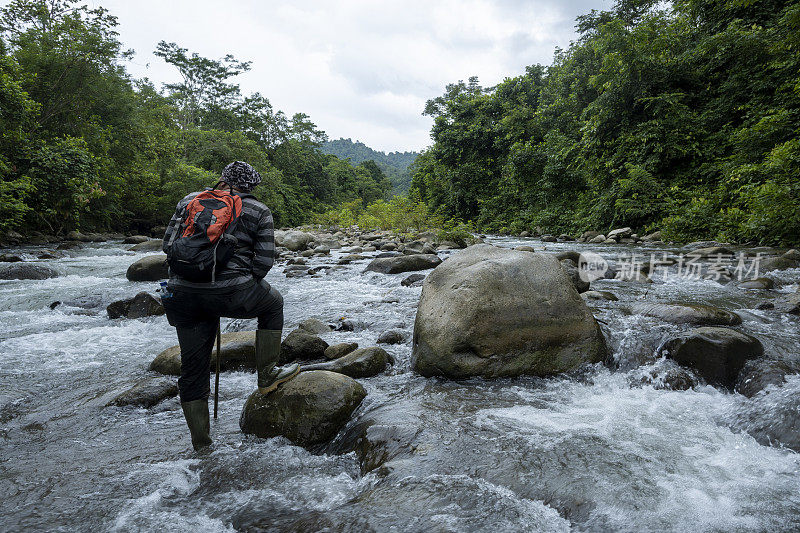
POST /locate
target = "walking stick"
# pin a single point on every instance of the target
(216, 380)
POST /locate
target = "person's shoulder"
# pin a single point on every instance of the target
(252, 203)
(189, 197)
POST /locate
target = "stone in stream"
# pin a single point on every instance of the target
(599, 239)
(571, 269)
(147, 393)
(336, 351)
(414, 280)
(392, 336)
(696, 314)
(419, 247)
(758, 374)
(142, 305)
(27, 271)
(717, 354)
(525, 248)
(302, 345)
(148, 268)
(293, 240)
(599, 295)
(8, 258)
(792, 255)
(150, 245)
(757, 284)
(403, 263)
(620, 233)
(135, 239)
(314, 326)
(494, 312)
(309, 409)
(768, 264)
(237, 352)
(361, 363)
(788, 304)
(710, 252)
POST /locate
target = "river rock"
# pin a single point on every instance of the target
(293, 240)
(549, 238)
(151, 245)
(697, 314)
(494, 312)
(419, 247)
(574, 274)
(135, 239)
(717, 354)
(149, 268)
(300, 344)
(29, 271)
(142, 305)
(414, 280)
(392, 336)
(335, 351)
(360, 363)
(710, 252)
(314, 326)
(310, 409)
(788, 304)
(599, 239)
(587, 236)
(757, 284)
(147, 393)
(403, 263)
(768, 264)
(8, 258)
(758, 374)
(655, 236)
(620, 233)
(237, 352)
(599, 295)
(792, 255)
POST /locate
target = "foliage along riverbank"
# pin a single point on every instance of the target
(85, 146)
(682, 118)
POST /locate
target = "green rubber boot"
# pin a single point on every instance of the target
(196, 413)
(268, 352)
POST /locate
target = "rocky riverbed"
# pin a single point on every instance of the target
(653, 436)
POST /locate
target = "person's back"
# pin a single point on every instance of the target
(238, 290)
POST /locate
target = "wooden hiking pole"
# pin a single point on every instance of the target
(216, 380)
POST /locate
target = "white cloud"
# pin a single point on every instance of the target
(361, 69)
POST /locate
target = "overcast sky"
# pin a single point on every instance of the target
(360, 69)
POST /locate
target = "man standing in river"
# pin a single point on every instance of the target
(237, 290)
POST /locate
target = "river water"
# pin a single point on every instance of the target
(594, 451)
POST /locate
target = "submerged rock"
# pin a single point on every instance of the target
(414, 280)
(237, 352)
(147, 393)
(495, 312)
(599, 295)
(757, 284)
(392, 336)
(302, 345)
(717, 354)
(361, 363)
(149, 268)
(10, 258)
(141, 305)
(403, 263)
(758, 374)
(310, 409)
(788, 304)
(697, 314)
(27, 271)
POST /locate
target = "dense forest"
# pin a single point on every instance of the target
(683, 118)
(394, 164)
(85, 146)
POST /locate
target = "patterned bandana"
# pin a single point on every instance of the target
(241, 175)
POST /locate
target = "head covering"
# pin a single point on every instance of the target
(241, 175)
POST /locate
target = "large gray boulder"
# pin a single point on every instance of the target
(403, 263)
(149, 268)
(237, 352)
(300, 344)
(361, 363)
(142, 305)
(293, 240)
(152, 245)
(717, 354)
(147, 393)
(27, 271)
(310, 409)
(495, 312)
(696, 314)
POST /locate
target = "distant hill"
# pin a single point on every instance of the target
(394, 164)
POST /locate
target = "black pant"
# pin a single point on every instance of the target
(195, 317)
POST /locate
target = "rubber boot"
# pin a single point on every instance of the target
(196, 413)
(268, 352)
